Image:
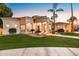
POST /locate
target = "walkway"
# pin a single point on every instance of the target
(46, 51)
(59, 35)
(63, 36)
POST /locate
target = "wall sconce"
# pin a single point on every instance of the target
(44, 22)
(7, 25)
(16, 25)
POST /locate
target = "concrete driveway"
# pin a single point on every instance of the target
(41, 51)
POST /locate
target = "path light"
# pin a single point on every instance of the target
(7, 25)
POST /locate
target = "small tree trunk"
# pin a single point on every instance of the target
(54, 22)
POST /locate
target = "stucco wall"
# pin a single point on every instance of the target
(28, 24)
(10, 23)
(61, 26)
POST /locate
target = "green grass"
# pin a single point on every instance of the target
(70, 34)
(24, 41)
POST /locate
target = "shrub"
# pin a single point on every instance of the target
(37, 31)
(32, 30)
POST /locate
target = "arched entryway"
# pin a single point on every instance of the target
(1, 26)
(61, 30)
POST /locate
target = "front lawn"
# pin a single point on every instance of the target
(70, 34)
(24, 41)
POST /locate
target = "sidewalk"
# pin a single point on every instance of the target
(63, 36)
(41, 51)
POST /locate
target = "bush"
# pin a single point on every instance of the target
(32, 30)
(12, 30)
(37, 31)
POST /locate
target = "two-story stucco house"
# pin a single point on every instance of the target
(24, 25)
(35, 24)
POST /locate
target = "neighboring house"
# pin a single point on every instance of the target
(66, 27)
(61, 26)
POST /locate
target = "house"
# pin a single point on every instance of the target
(35, 24)
(65, 27)
(24, 25)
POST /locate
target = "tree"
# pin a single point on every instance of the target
(71, 20)
(5, 11)
(72, 25)
(74, 18)
(54, 10)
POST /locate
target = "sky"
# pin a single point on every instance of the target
(41, 9)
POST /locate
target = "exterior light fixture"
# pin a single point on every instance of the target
(7, 25)
(16, 25)
(44, 23)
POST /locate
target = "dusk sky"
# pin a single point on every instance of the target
(41, 9)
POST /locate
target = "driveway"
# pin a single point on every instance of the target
(41, 51)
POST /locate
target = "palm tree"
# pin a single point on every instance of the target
(72, 25)
(71, 21)
(74, 18)
(54, 10)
